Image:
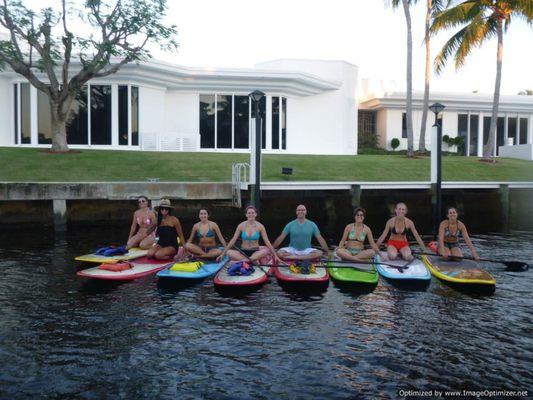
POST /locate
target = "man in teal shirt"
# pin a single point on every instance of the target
(301, 232)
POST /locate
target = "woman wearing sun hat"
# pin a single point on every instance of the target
(167, 233)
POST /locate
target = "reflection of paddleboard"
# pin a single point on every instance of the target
(464, 273)
(352, 272)
(141, 267)
(208, 268)
(415, 271)
(130, 255)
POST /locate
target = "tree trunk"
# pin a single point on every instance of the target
(488, 150)
(425, 105)
(409, 99)
(59, 127)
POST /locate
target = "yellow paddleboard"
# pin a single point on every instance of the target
(465, 272)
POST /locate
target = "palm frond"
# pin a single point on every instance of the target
(459, 15)
(523, 9)
(475, 34)
(447, 50)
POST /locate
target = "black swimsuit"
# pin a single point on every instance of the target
(167, 236)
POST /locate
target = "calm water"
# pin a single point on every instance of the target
(62, 336)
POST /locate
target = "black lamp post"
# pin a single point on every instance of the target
(256, 96)
(436, 108)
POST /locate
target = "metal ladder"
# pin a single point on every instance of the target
(240, 174)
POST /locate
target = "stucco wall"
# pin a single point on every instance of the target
(151, 110)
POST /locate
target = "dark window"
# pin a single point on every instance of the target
(224, 104)
(25, 113)
(134, 116)
(100, 114)
(462, 129)
(366, 122)
(283, 123)
(486, 127)
(474, 126)
(241, 122)
(123, 115)
(404, 125)
(207, 121)
(275, 122)
(77, 130)
(16, 112)
(511, 129)
(500, 136)
(523, 130)
(262, 113)
(44, 114)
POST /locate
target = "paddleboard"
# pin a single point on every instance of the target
(461, 272)
(256, 278)
(285, 275)
(353, 272)
(130, 255)
(416, 271)
(141, 267)
(207, 269)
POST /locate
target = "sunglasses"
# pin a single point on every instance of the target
(359, 215)
(164, 208)
(142, 201)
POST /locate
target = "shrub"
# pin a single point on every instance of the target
(446, 139)
(367, 140)
(394, 143)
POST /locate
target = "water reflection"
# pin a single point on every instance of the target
(62, 336)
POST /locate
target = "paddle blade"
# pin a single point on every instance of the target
(515, 265)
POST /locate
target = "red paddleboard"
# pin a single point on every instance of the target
(260, 275)
(285, 275)
(140, 267)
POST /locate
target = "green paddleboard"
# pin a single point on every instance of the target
(353, 273)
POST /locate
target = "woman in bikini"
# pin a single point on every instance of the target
(167, 233)
(142, 233)
(351, 246)
(449, 232)
(204, 232)
(398, 227)
(249, 231)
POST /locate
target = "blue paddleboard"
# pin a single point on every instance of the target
(209, 268)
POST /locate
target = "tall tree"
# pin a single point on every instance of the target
(409, 92)
(44, 49)
(480, 20)
(432, 7)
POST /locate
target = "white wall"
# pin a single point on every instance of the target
(324, 123)
(182, 113)
(151, 110)
(6, 113)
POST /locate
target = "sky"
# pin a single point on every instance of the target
(369, 34)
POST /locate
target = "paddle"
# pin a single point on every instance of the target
(511, 265)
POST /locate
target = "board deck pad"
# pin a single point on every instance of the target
(352, 272)
(415, 270)
(208, 268)
(132, 254)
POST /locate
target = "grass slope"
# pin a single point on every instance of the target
(36, 165)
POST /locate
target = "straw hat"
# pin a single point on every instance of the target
(165, 203)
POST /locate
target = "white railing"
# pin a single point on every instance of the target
(168, 141)
(240, 175)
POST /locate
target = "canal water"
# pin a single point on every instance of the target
(65, 337)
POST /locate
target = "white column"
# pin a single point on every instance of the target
(467, 140)
(480, 135)
(268, 123)
(433, 147)
(252, 150)
(34, 116)
(114, 115)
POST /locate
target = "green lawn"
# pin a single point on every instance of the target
(36, 165)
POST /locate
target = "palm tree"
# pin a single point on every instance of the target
(432, 7)
(409, 96)
(481, 20)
